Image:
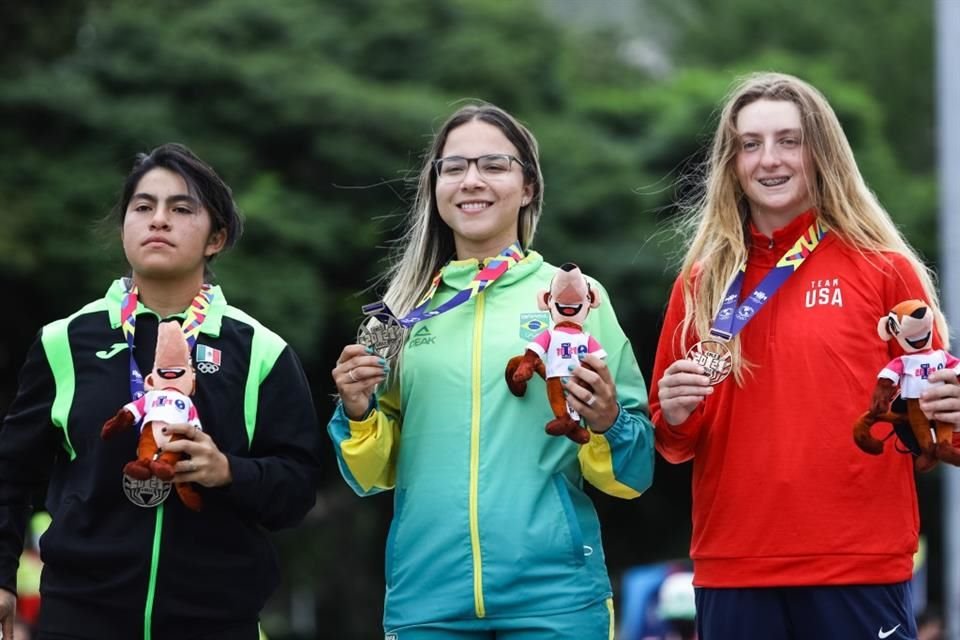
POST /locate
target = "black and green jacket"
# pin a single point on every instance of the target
(116, 570)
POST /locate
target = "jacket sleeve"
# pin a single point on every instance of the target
(619, 461)
(367, 449)
(276, 484)
(676, 443)
(28, 444)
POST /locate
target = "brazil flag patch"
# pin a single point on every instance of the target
(533, 324)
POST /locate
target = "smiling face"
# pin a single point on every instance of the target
(172, 368)
(911, 323)
(166, 231)
(481, 211)
(772, 163)
(570, 297)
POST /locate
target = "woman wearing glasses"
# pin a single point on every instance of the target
(492, 534)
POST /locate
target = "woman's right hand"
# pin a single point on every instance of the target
(684, 385)
(8, 612)
(357, 374)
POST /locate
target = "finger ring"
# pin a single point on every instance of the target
(590, 402)
(352, 377)
(193, 466)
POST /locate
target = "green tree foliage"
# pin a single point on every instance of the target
(880, 49)
(317, 114)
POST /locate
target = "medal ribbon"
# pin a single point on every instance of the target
(486, 277)
(734, 315)
(196, 313)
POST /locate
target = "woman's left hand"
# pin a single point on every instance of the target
(941, 402)
(207, 464)
(592, 393)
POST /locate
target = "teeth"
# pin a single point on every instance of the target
(473, 206)
(569, 310)
(773, 182)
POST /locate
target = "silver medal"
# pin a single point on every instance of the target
(383, 334)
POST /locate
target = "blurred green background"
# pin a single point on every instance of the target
(317, 113)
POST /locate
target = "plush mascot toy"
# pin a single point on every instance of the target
(556, 352)
(911, 324)
(167, 401)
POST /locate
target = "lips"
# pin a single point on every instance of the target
(156, 240)
(473, 206)
(773, 182)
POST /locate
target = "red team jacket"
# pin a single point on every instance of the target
(781, 494)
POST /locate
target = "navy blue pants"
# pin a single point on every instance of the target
(884, 612)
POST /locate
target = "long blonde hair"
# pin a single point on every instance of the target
(428, 242)
(717, 221)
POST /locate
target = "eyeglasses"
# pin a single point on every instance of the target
(492, 166)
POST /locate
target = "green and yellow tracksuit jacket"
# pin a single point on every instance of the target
(490, 516)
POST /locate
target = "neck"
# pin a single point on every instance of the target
(167, 297)
(480, 250)
(768, 222)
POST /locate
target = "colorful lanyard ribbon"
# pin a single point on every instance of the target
(486, 277)
(733, 317)
(196, 313)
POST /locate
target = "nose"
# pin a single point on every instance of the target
(161, 218)
(472, 177)
(770, 156)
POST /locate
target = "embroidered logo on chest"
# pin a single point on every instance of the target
(420, 337)
(208, 359)
(533, 324)
(824, 293)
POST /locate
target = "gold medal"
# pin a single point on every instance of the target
(714, 357)
(146, 493)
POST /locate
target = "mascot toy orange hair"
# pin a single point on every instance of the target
(167, 401)
(556, 352)
(911, 324)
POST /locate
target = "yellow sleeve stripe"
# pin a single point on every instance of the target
(370, 453)
(596, 463)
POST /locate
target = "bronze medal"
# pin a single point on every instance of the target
(714, 357)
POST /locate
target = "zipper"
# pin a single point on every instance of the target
(475, 458)
(152, 583)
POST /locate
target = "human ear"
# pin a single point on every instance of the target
(215, 243)
(527, 195)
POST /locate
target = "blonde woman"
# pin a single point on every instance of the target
(796, 532)
(492, 534)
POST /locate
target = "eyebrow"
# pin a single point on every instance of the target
(778, 132)
(171, 200)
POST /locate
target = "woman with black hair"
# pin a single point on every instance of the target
(120, 561)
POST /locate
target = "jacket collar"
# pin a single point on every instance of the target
(458, 274)
(210, 326)
(767, 250)
(786, 235)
